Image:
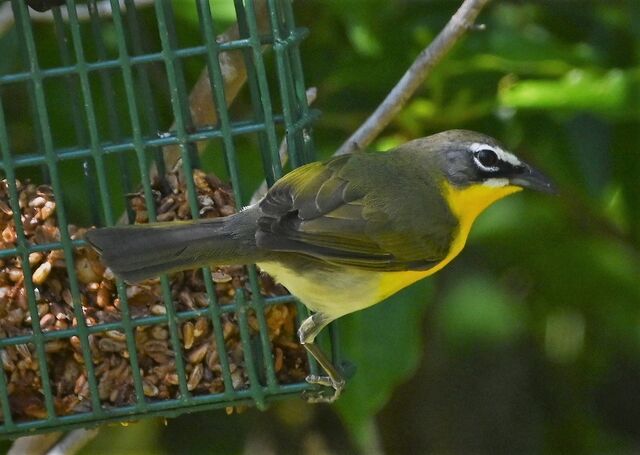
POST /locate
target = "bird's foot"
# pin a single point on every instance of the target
(322, 395)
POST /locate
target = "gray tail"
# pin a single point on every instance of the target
(135, 253)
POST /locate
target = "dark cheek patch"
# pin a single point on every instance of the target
(505, 170)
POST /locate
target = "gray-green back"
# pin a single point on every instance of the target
(380, 211)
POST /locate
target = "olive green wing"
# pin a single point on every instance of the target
(368, 211)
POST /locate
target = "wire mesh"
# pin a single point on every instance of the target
(97, 81)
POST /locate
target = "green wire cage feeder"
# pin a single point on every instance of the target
(145, 112)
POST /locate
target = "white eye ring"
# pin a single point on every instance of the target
(502, 155)
(482, 166)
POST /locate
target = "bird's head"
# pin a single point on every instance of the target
(467, 159)
(477, 170)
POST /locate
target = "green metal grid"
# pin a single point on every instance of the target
(134, 135)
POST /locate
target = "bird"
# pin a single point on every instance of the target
(343, 234)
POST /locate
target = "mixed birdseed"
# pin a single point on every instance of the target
(99, 303)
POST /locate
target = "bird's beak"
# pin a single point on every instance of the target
(531, 178)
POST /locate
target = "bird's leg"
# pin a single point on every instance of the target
(307, 333)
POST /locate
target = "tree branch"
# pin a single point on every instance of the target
(234, 74)
(459, 23)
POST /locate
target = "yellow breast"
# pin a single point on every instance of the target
(466, 204)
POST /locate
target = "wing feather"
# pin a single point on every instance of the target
(335, 212)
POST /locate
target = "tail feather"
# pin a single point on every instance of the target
(135, 253)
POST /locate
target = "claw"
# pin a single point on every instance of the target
(321, 396)
(320, 380)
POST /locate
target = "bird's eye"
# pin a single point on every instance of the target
(487, 157)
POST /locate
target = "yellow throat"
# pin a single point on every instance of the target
(466, 204)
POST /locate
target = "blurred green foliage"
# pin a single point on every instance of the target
(530, 340)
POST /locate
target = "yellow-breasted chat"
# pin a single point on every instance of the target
(343, 234)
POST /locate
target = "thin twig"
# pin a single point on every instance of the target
(459, 23)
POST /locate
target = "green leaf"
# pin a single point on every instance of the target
(577, 90)
(222, 10)
(477, 311)
(385, 344)
(364, 41)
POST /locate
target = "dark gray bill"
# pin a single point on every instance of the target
(533, 179)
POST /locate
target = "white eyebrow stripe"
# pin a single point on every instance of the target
(502, 155)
